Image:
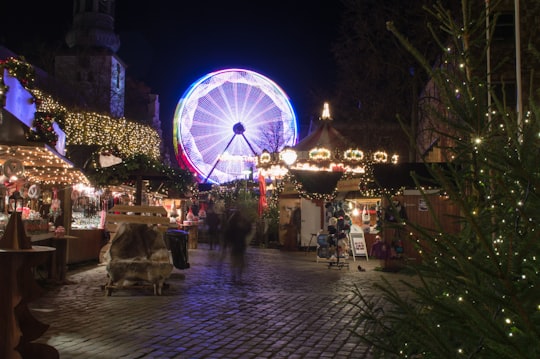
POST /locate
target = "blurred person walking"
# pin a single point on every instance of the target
(212, 219)
(235, 238)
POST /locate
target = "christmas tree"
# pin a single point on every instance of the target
(476, 293)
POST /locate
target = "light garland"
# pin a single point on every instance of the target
(319, 154)
(127, 138)
(380, 157)
(88, 128)
(353, 155)
(310, 195)
(265, 158)
(42, 165)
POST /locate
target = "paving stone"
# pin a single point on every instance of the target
(286, 306)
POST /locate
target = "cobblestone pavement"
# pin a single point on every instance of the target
(285, 306)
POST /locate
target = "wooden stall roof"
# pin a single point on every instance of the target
(42, 163)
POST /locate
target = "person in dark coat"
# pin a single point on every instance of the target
(212, 219)
(238, 228)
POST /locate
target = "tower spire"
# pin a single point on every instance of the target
(93, 25)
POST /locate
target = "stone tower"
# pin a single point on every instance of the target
(90, 65)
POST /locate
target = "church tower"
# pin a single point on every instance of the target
(91, 65)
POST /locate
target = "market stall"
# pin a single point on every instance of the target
(36, 178)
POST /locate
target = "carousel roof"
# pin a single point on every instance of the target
(325, 136)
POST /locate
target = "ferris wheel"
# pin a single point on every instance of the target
(228, 117)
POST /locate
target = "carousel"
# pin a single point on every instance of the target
(312, 180)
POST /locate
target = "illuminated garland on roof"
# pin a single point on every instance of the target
(179, 180)
(353, 155)
(20, 69)
(380, 157)
(89, 128)
(309, 195)
(138, 144)
(43, 166)
(81, 128)
(319, 154)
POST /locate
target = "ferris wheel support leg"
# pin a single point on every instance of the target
(218, 159)
(249, 144)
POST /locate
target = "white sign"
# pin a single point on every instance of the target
(359, 244)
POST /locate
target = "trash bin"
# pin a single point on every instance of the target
(177, 242)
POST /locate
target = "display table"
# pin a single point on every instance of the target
(17, 288)
(57, 261)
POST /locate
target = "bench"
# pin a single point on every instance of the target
(136, 251)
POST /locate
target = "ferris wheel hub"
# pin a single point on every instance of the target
(239, 128)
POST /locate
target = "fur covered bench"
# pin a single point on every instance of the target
(137, 252)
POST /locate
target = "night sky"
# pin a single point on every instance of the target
(171, 44)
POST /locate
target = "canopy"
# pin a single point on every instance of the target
(320, 182)
(42, 163)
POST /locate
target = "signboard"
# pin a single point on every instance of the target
(359, 244)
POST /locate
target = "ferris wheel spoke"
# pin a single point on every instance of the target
(255, 104)
(246, 102)
(222, 116)
(218, 158)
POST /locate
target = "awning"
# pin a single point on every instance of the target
(320, 182)
(42, 163)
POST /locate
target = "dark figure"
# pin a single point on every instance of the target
(379, 249)
(296, 221)
(212, 219)
(238, 227)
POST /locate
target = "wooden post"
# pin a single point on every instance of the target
(138, 191)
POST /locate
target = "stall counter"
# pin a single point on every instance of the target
(84, 245)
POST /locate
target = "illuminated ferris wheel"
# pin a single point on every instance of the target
(227, 118)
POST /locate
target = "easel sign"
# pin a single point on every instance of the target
(359, 244)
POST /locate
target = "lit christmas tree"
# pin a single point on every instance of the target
(476, 293)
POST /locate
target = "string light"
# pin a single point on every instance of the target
(89, 128)
(127, 138)
(43, 165)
